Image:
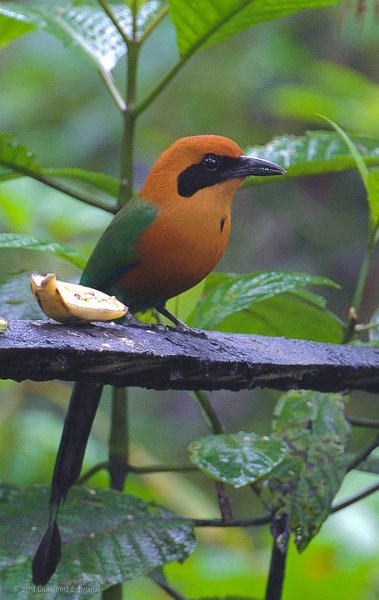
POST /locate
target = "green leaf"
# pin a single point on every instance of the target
(16, 156)
(300, 491)
(286, 315)
(16, 299)
(30, 242)
(108, 537)
(83, 26)
(314, 153)
(17, 161)
(238, 292)
(203, 24)
(237, 458)
(373, 202)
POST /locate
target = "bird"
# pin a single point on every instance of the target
(163, 242)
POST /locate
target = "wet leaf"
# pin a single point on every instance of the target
(238, 458)
(82, 26)
(300, 491)
(314, 153)
(108, 537)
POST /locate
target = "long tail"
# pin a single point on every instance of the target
(81, 412)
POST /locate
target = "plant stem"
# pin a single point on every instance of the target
(151, 469)
(357, 298)
(362, 422)
(277, 571)
(185, 57)
(127, 144)
(95, 469)
(119, 439)
(207, 411)
(56, 185)
(364, 453)
(249, 522)
(160, 580)
(113, 89)
(356, 497)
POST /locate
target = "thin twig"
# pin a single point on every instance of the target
(355, 497)
(361, 456)
(111, 208)
(88, 474)
(362, 422)
(56, 185)
(162, 583)
(207, 410)
(152, 469)
(247, 522)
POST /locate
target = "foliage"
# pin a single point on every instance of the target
(116, 535)
(296, 471)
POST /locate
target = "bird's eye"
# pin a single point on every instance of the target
(211, 162)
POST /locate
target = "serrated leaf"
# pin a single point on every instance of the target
(313, 153)
(301, 489)
(108, 537)
(237, 458)
(30, 242)
(203, 24)
(238, 292)
(16, 299)
(82, 26)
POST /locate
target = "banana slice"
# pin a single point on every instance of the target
(68, 302)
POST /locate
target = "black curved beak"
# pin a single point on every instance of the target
(249, 166)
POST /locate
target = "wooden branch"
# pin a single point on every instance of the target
(156, 359)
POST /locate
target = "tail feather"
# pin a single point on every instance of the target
(81, 412)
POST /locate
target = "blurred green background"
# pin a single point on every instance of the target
(267, 81)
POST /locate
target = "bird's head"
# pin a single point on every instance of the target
(198, 163)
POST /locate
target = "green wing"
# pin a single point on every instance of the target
(115, 252)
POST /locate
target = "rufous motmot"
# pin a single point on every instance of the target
(161, 243)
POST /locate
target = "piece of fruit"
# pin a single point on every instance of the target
(69, 302)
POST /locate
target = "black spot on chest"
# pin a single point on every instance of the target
(222, 223)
